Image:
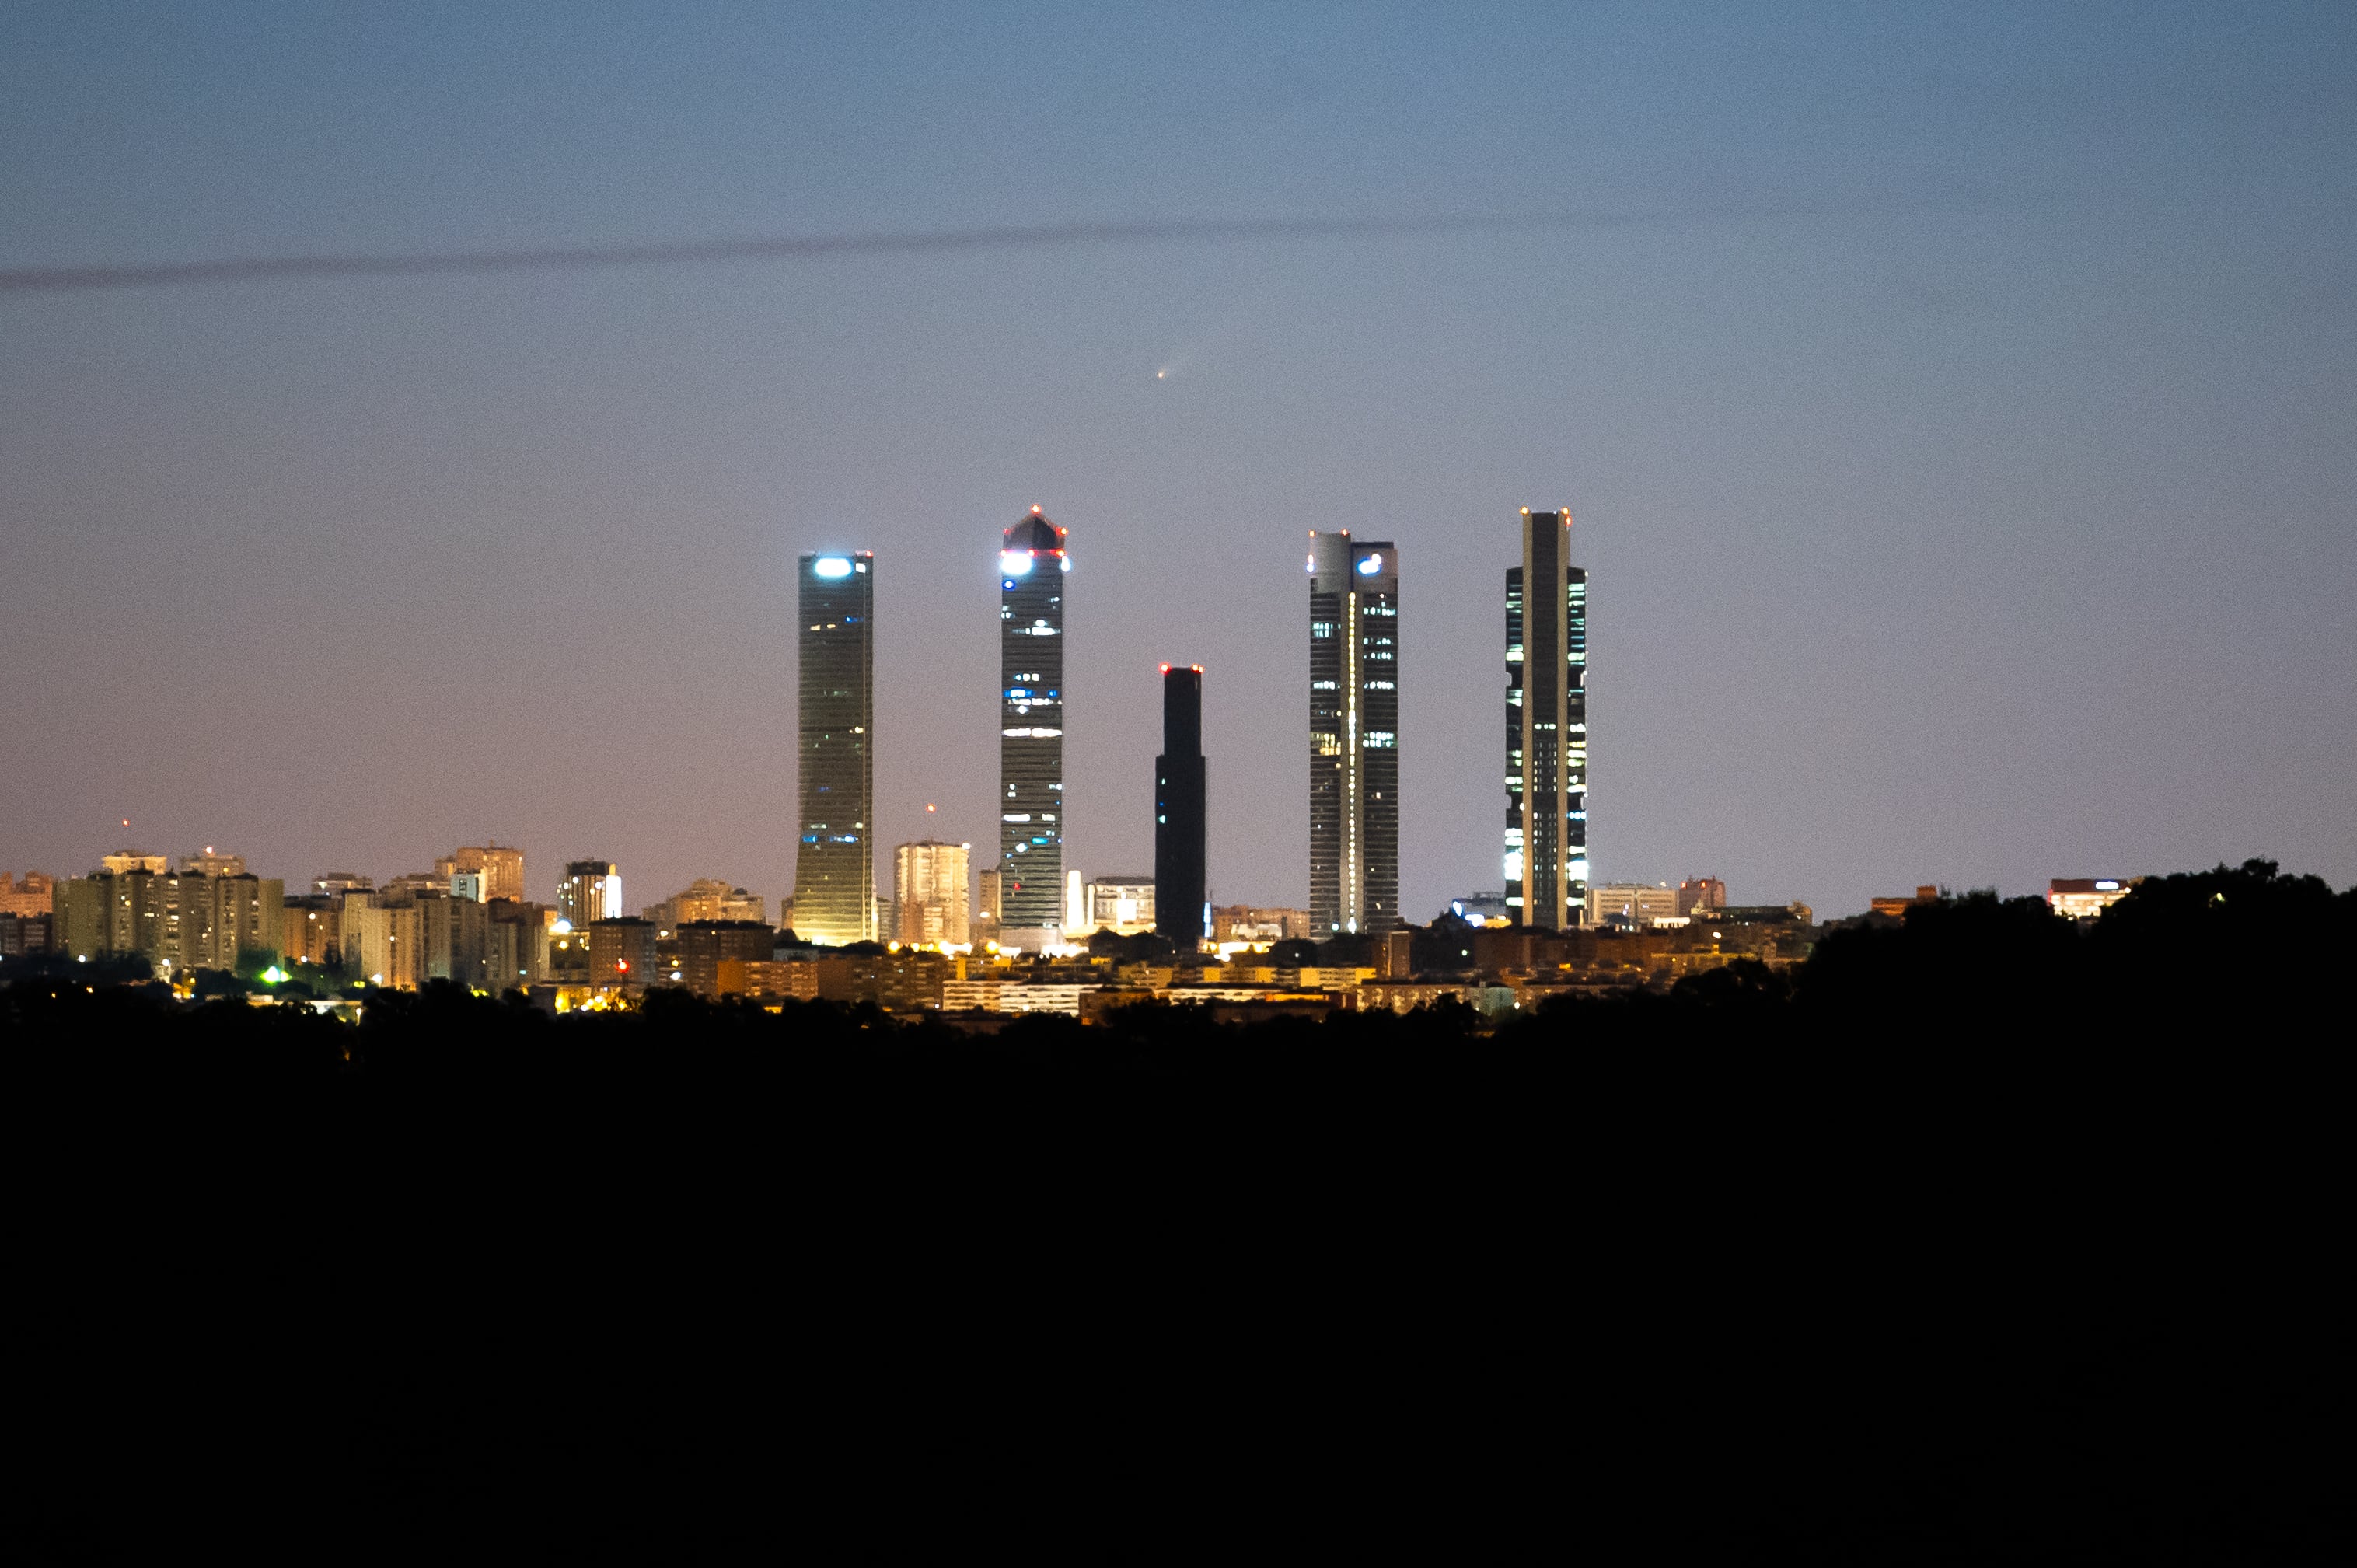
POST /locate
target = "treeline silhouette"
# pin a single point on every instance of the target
(1979, 1236)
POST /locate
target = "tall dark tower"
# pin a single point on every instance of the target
(835, 872)
(1353, 732)
(1032, 562)
(1179, 810)
(1546, 728)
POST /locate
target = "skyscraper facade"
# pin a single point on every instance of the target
(1353, 732)
(834, 868)
(1546, 728)
(1181, 905)
(1032, 564)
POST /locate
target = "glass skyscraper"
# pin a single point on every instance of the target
(1353, 732)
(1546, 728)
(1032, 563)
(835, 872)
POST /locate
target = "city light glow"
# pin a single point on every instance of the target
(831, 567)
(1014, 563)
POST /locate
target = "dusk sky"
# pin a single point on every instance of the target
(1959, 410)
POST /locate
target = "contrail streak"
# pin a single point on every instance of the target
(35, 280)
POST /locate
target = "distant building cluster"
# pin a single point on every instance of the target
(201, 915)
(2083, 898)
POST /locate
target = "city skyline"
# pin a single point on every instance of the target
(840, 585)
(1915, 380)
(616, 610)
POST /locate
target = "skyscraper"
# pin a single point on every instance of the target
(1546, 728)
(834, 868)
(1032, 562)
(1179, 810)
(1353, 732)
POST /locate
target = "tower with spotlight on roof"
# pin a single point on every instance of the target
(1353, 732)
(1034, 560)
(834, 868)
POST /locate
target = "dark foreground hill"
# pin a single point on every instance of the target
(1987, 1238)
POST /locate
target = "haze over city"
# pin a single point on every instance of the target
(1955, 413)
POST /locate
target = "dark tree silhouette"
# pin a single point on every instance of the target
(1982, 1236)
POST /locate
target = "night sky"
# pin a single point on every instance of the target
(1960, 414)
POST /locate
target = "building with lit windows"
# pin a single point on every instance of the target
(499, 870)
(1700, 895)
(2085, 897)
(182, 921)
(210, 862)
(312, 930)
(1182, 913)
(929, 902)
(706, 945)
(591, 890)
(30, 896)
(707, 898)
(1254, 926)
(1353, 732)
(1636, 906)
(384, 941)
(1484, 908)
(1122, 905)
(834, 868)
(623, 954)
(1033, 561)
(1546, 728)
(986, 906)
(23, 934)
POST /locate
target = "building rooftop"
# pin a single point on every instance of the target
(1035, 533)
